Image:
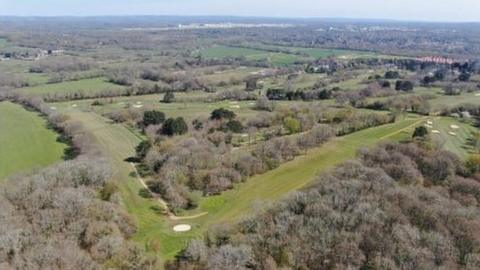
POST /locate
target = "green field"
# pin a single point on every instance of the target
(188, 110)
(278, 59)
(443, 101)
(25, 141)
(453, 139)
(86, 86)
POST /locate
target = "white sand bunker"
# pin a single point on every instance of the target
(137, 106)
(139, 102)
(53, 108)
(428, 126)
(74, 105)
(435, 131)
(430, 122)
(235, 107)
(477, 95)
(452, 133)
(454, 127)
(182, 228)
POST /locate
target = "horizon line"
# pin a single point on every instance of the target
(400, 20)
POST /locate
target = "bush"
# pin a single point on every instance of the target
(292, 125)
(153, 118)
(420, 132)
(221, 114)
(169, 97)
(234, 126)
(174, 126)
(405, 86)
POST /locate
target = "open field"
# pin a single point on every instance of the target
(25, 141)
(86, 86)
(278, 59)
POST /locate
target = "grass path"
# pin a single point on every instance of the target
(155, 229)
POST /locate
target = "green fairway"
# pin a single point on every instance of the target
(86, 86)
(155, 229)
(25, 141)
(453, 136)
(298, 173)
(444, 101)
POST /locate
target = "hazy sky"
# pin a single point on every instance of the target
(429, 10)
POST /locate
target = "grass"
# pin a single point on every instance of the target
(458, 143)
(155, 230)
(188, 110)
(87, 86)
(443, 101)
(277, 59)
(26, 142)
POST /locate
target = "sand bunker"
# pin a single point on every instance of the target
(182, 228)
(74, 105)
(137, 106)
(428, 126)
(454, 127)
(235, 107)
(430, 122)
(452, 133)
(53, 108)
(477, 95)
(435, 131)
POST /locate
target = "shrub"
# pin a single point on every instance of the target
(292, 125)
(174, 126)
(420, 132)
(153, 118)
(221, 114)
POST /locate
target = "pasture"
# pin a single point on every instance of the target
(26, 142)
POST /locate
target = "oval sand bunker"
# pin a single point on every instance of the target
(182, 228)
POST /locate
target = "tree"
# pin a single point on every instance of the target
(153, 118)
(174, 126)
(464, 77)
(404, 86)
(420, 132)
(221, 114)
(251, 84)
(142, 149)
(292, 125)
(264, 104)
(392, 75)
(169, 97)
(473, 164)
(234, 126)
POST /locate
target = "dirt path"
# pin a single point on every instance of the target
(164, 204)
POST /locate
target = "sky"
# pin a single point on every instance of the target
(416, 10)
